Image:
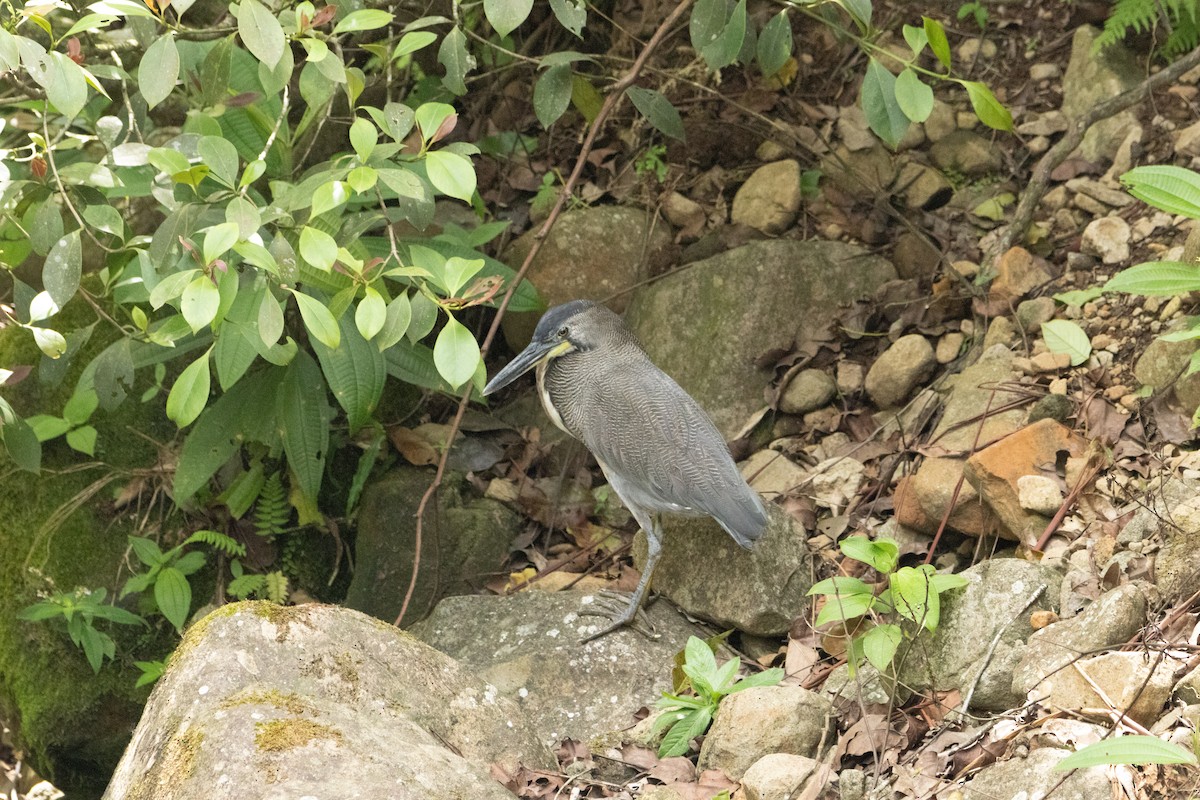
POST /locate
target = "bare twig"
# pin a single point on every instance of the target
(615, 94)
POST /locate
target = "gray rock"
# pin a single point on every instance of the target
(1187, 691)
(1046, 124)
(1039, 494)
(778, 776)
(853, 130)
(899, 369)
(922, 186)
(808, 390)
(708, 575)
(1107, 238)
(967, 153)
(867, 686)
(464, 538)
(1052, 406)
(1092, 78)
(1187, 140)
(590, 254)
(770, 198)
(1044, 71)
(1109, 621)
(941, 122)
(862, 174)
(970, 392)
(1034, 776)
(260, 695)
(1162, 362)
(705, 325)
(1177, 564)
(1101, 192)
(993, 603)
(915, 256)
(527, 646)
(1001, 332)
(1032, 313)
(1137, 683)
(764, 720)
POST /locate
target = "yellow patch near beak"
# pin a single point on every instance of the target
(559, 349)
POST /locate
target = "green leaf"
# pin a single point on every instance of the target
(1078, 297)
(768, 677)
(451, 174)
(914, 598)
(775, 44)
(840, 585)
(64, 81)
(159, 70)
(699, 655)
(200, 303)
(395, 324)
(457, 271)
(913, 96)
(19, 440)
(878, 97)
(552, 94)
(261, 32)
(173, 593)
(1132, 749)
(1156, 279)
(453, 55)
(363, 137)
(506, 15)
(413, 41)
(916, 37)
(882, 554)
(658, 110)
(318, 248)
(938, 42)
(189, 394)
(303, 414)
(82, 440)
(171, 287)
(370, 314)
(221, 156)
(62, 269)
(218, 239)
(456, 353)
(571, 14)
(843, 607)
(106, 219)
(270, 319)
(46, 427)
(328, 196)
(355, 372)
(367, 19)
(678, 738)
(318, 320)
(1172, 189)
(860, 10)
(991, 112)
(49, 341)
(82, 404)
(1064, 336)
(880, 645)
(47, 226)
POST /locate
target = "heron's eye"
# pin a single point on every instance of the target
(563, 331)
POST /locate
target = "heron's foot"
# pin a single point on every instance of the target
(623, 610)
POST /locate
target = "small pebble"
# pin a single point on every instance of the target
(1058, 386)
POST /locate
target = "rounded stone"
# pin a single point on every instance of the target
(899, 369)
(770, 198)
(809, 390)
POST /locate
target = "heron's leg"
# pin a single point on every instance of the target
(610, 603)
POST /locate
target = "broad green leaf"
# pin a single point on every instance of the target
(64, 81)
(676, 742)
(317, 319)
(189, 395)
(218, 239)
(173, 593)
(451, 174)
(838, 608)
(159, 70)
(395, 324)
(106, 219)
(244, 215)
(882, 554)
(840, 585)
(860, 10)
(571, 14)
(82, 440)
(47, 227)
(658, 110)
(699, 655)
(62, 268)
(914, 598)
(991, 112)
(303, 414)
(171, 287)
(938, 42)
(261, 32)
(370, 314)
(775, 44)
(42, 307)
(1077, 297)
(254, 170)
(270, 319)
(768, 677)
(456, 353)
(1064, 336)
(328, 196)
(366, 19)
(723, 48)
(363, 137)
(913, 96)
(916, 37)
(50, 342)
(506, 15)
(453, 55)
(167, 161)
(424, 313)
(878, 97)
(46, 427)
(880, 645)
(82, 404)
(355, 372)
(221, 156)
(23, 447)
(199, 303)
(1173, 189)
(318, 248)
(1156, 279)
(457, 271)
(1132, 749)
(412, 42)
(362, 179)
(552, 94)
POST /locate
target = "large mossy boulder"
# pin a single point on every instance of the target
(60, 530)
(706, 325)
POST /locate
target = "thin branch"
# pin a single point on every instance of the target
(610, 103)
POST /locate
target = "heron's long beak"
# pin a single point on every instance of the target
(527, 359)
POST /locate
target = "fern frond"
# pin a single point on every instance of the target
(243, 586)
(226, 544)
(277, 587)
(271, 512)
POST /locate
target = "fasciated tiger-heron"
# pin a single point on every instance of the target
(659, 450)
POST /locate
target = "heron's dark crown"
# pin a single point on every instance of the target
(586, 324)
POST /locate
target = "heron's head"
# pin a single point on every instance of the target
(577, 326)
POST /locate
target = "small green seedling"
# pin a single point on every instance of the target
(689, 716)
(80, 609)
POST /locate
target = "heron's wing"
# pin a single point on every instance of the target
(662, 452)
